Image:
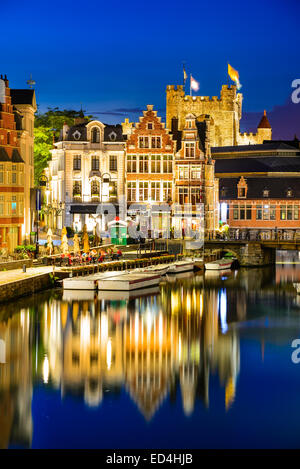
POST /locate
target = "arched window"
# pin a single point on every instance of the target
(95, 135)
(95, 189)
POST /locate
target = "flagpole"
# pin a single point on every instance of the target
(190, 84)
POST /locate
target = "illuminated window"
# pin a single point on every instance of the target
(144, 163)
(77, 163)
(155, 191)
(95, 163)
(155, 164)
(150, 126)
(266, 192)
(242, 192)
(95, 135)
(189, 150)
(167, 191)
(95, 189)
(131, 164)
(258, 212)
(167, 164)
(131, 191)
(77, 189)
(143, 191)
(113, 163)
(183, 172)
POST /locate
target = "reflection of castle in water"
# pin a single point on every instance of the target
(15, 381)
(151, 345)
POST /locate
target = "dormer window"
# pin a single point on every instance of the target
(266, 192)
(76, 135)
(95, 135)
(242, 192)
(223, 192)
(150, 126)
(289, 193)
(112, 136)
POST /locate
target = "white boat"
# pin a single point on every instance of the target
(181, 266)
(128, 282)
(297, 287)
(161, 269)
(89, 282)
(80, 283)
(219, 264)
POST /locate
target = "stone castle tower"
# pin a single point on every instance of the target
(224, 114)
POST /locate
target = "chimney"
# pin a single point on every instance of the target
(65, 131)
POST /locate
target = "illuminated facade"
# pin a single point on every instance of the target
(224, 115)
(11, 174)
(87, 168)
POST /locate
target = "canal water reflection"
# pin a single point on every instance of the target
(198, 362)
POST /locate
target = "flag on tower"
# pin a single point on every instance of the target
(234, 75)
(195, 85)
(184, 75)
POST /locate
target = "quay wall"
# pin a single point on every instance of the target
(26, 286)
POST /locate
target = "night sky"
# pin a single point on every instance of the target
(116, 57)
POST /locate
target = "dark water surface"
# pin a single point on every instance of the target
(201, 362)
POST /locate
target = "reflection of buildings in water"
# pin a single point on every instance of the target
(159, 343)
(15, 381)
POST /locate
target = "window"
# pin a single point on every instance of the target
(155, 164)
(95, 188)
(289, 193)
(155, 191)
(131, 191)
(190, 150)
(242, 212)
(143, 142)
(113, 163)
(167, 191)
(143, 191)
(77, 163)
(150, 126)
(242, 192)
(14, 178)
(195, 195)
(183, 195)
(289, 212)
(258, 212)
(14, 205)
(95, 135)
(77, 189)
(196, 172)
(95, 163)
(144, 164)
(266, 192)
(223, 192)
(273, 212)
(131, 164)
(183, 172)
(248, 212)
(167, 164)
(155, 142)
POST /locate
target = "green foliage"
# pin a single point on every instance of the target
(47, 125)
(25, 248)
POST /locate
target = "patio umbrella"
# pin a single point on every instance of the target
(64, 241)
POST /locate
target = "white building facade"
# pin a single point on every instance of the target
(86, 169)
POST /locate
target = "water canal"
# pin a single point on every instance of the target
(201, 362)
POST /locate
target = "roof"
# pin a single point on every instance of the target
(177, 135)
(3, 155)
(277, 188)
(264, 122)
(264, 147)
(16, 157)
(22, 97)
(261, 164)
(113, 133)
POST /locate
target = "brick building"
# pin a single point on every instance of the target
(260, 189)
(168, 171)
(11, 172)
(150, 151)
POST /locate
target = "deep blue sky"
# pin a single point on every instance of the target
(118, 55)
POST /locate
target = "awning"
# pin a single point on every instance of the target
(92, 208)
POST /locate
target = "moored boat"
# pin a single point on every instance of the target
(181, 266)
(127, 282)
(219, 264)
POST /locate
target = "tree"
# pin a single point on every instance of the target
(46, 126)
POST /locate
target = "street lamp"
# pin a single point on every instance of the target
(43, 182)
